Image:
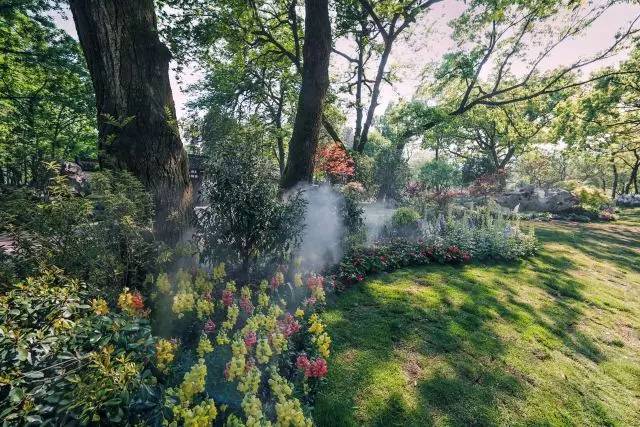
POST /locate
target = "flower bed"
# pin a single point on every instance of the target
(250, 355)
(628, 200)
(393, 255)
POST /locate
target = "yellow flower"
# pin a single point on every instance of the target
(297, 280)
(183, 302)
(165, 353)
(193, 382)
(204, 346)
(316, 327)
(250, 382)
(300, 313)
(323, 342)
(184, 281)
(263, 351)
(99, 306)
(204, 308)
(163, 284)
(219, 273)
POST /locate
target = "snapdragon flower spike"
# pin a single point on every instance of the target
(277, 280)
(314, 282)
(209, 327)
(289, 325)
(227, 297)
(310, 301)
(246, 305)
(250, 339)
(317, 368)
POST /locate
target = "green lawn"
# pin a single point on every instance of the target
(554, 340)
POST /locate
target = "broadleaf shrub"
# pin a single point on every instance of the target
(104, 238)
(245, 223)
(67, 359)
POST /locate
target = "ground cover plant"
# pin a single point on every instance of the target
(495, 344)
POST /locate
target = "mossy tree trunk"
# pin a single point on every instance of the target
(137, 128)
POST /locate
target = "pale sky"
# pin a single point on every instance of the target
(429, 39)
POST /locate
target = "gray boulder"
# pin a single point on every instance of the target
(532, 199)
(76, 177)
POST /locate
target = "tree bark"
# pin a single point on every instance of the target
(614, 185)
(315, 81)
(375, 93)
(129, 67)
(633, 177)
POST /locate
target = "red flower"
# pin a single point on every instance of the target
(137, 301)
(246, 305)
(250, 339)
(317, 368)
(302, 362)
(227, 297)
(209, 327)
(360, 277)
(289, 325)
(314, 282)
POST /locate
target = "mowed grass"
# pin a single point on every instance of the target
(553, 340)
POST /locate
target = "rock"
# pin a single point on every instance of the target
(77, 178)
(538, 200)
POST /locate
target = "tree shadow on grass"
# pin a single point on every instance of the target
(455, 326)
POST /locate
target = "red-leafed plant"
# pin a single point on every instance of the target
(336, 162)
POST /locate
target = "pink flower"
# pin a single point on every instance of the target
(360, 277)
(310, 301)
(227, 297)
(137, 302)
(317, 368)
(250, 339)
(314, 282)
(246, 305)
(289, 325)
(209, 327)
(302, 362)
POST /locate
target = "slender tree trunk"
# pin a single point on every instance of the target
(614, 186)
(315, 81)
(633, 178)
(375, 93)
(359, 106)
(137, 129)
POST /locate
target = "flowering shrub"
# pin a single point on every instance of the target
(481, 235)
(484, 234)
(392, 255)
(272, 344)
(67, 359)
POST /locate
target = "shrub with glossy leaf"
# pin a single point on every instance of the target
(246, 224)
(66, 359)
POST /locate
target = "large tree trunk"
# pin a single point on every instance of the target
(137, 128)
(315, 81)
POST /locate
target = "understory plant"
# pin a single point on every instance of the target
(67, 359)
(484, 233)
(104, 238)
(246, 223)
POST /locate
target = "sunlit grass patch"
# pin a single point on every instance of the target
(553, 340)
